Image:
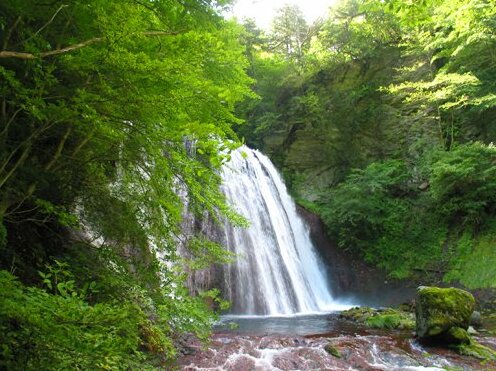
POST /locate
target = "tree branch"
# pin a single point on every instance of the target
(24, 55)
(9, 32)
(48, 23)
(11, 120)
(18, 163)
(59, 150)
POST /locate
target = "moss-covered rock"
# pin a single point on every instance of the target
(397, 320)
(332, 350)
(440, 309)
(457, 335)
(357, 314)
(387, 318)
(474, 349)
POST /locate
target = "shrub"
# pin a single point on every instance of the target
(39, 330)
(463, 182)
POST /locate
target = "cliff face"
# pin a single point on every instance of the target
(352, 279)
(335, 120)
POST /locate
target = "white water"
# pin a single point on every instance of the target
(277, 271)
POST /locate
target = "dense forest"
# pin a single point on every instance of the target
(380, 115)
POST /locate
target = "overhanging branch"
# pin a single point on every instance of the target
(24, 55)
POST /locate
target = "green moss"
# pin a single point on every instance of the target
(439, 309)
(332, 350)
(474, 349)
(457, 335)
(380, 318)
(391, 321)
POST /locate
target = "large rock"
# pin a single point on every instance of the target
(442, 312)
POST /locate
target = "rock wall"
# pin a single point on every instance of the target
(350, 277)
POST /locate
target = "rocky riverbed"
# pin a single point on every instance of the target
(341, 346)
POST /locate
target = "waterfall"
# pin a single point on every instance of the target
(277, 271)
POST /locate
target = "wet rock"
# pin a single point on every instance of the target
(186, 344)
(332, 350)
(440, 309)
(367, 352)
(240, 363)
(476, 319)
(472, 331)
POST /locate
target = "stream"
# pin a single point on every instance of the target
(297, 343)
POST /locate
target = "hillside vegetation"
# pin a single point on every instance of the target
(382, 121)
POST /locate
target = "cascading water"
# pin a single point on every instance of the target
(277, 271)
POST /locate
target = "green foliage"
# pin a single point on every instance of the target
(380, 212)
(204, 253)
(359, 207)
(352, 32)
(290, 34)
(108, 110)
(474, 260)
(387, 128)
(184, 313)
(462, 182)
(59, 332)
(377, 213)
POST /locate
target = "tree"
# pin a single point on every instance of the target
(97, 100)
(290, 34)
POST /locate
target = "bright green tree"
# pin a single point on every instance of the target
(109, 109)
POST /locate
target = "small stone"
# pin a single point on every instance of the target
(472, 331)
(476, 319)
(423, 186)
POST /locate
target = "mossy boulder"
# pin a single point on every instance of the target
(439, 310)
